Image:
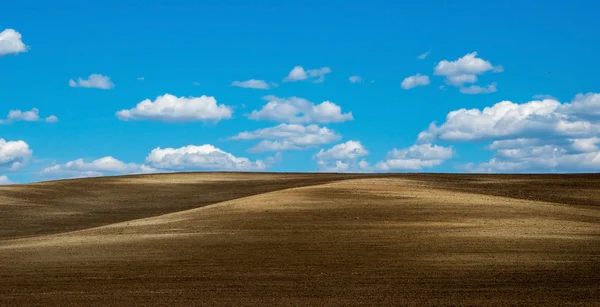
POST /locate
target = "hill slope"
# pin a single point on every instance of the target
(377, 240)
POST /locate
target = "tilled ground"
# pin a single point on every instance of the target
(309, 240)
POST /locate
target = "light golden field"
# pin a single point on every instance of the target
(262, 239)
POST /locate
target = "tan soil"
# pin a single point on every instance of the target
(301, 239)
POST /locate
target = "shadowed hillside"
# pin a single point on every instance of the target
(309, 240)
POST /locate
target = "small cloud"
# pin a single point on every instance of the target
(252, 83)
(414, 81)
(93, 81)
(299, 110)
(141, 78)
(298, 74)
(355, 79)
(51, 119)
(476, 89)
(464, 71)
(422, 56)
(11, 43)
(5, 181)
(32, 115)
(288, 137)
(196, 83)
(14, 155)
(170, 108)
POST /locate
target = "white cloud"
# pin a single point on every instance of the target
(342, 158)
(537, 136)
(99, 167)
(355, 79)
(169, 108)
(415, 157)
(300, 110)
(335, 167)
(585, 145)
(459, 80)
(288, 137)
(28, 116)
(298, 74)
(475, 89)
(519, 142)
(32, 115)
(252, 83)
(469, 64)
(508, 120)
(414, 81)
(193, 157)
(187, 158)
(345, 151)
(318, 74)
(543, 158)
(13, 154)
(51, 119)
(11, 43)
(422, 56)
(140, 79)
(93, 81)
(5, 181)
(465, 70)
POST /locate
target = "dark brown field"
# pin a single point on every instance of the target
(232, 239)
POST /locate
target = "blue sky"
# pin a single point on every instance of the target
(541, 59)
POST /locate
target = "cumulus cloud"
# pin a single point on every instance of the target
(51, 119)
(476, 89)
(11, 43)
(464, 71)
(355, 79)
(540, 135)
(202, 157)
(506, 120)
(186, 158)
(93, 81)
(288, 137)
(316, 75)
(414, 81)
(336, 166)
(469, 64)
(28, 116)
(5, 181)
(422, 56)
(169, 108)
(345, 151)
(100, 167)
(416, 157)
(542, 158)
(299, 110)
(252, 83)
(14, 154)
(32, 115)
(342, 158)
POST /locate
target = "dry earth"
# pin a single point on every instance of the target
(302, 239)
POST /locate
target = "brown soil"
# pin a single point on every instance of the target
(231, 239)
